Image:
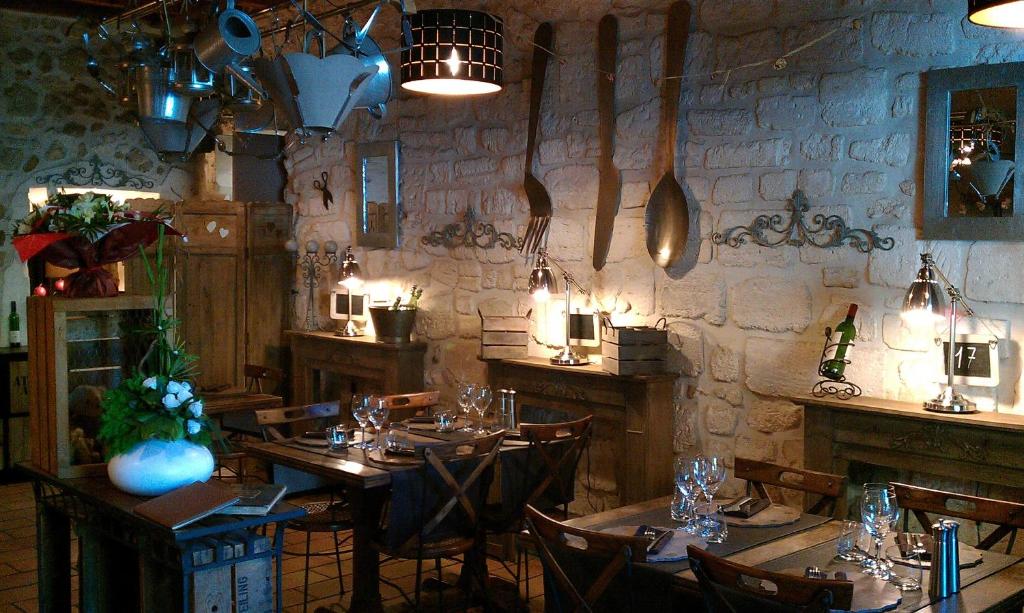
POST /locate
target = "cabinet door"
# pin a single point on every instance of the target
(270, 277)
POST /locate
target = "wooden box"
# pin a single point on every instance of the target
(633, 350)
(78, 348)
(503, 337)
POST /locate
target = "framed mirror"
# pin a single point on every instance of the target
(972, 153)
(379, 209)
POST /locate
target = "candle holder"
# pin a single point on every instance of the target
(313, 264)
(840, 388)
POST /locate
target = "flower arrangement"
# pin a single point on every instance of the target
(85, 232)
(158, 401)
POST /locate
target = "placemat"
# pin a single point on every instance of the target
(673, 551)
(773, 515)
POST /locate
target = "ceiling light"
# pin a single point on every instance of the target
(996, 13)
(454, 52)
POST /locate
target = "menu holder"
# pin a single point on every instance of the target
(179, 508)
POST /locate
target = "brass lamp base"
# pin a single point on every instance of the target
(950, 401)
(350, 329)
(568, 357)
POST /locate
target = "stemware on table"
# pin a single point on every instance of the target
(878, 511)
(709, 473)
(467, 392)
(686, 493)
(481, 402)
(361, 413)
(378, 417)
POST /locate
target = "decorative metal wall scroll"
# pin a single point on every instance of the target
(99, 175)
(824, 231)
(472, 233)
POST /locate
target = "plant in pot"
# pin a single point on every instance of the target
(156, 435)
(394, 323)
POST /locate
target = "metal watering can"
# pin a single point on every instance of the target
(224, 44)
(178, 139)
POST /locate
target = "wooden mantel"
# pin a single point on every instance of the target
(984, 449)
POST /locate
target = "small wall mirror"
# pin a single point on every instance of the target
(379, 203)
(972, 152)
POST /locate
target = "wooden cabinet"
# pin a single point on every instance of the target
(78, 348)
(232, 281)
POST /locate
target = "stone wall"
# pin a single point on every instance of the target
(54, 116)
(840, 120)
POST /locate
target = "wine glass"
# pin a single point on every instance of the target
(685, 495)
(709, 473)
(482, 402)
(378, 417)
(877, 509)
(467, 392)
(361, 413)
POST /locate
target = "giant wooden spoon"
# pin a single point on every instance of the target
(668, 215)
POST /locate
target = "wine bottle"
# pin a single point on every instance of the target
(14, 326)
(843, 335)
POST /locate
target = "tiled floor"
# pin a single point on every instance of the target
(18, 565)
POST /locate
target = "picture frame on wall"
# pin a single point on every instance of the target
(379, 208)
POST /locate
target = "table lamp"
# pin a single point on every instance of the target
(924, 304)
(350, 276)
(541, 285)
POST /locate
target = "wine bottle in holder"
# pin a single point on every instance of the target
(839, 346)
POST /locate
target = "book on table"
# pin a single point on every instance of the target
(255, 498)
(179, 508)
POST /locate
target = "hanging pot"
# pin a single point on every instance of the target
(155, 467)
(187, 75)
(222, 46)
(178, 139)
(157, 100)
(358, 44)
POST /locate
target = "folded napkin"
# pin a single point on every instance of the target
(672, 551)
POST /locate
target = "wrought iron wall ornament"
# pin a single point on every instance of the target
(472, 233)
(95, 173)
(824, 231)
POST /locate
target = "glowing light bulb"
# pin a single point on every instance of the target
(541, 295)
(453, 61)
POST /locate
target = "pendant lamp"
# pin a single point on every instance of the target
(454, 52)
(996, 13)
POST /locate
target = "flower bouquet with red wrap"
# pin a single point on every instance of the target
(85, 232)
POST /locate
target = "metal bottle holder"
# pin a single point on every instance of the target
(841, 388)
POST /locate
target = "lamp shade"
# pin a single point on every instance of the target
(996, 13)
(923, 302)
(454, 52)
(350, 274)
(542, 281)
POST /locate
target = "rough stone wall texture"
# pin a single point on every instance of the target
(53, 116)
(843, 121)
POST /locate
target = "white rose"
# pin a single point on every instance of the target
(193, 426)
(173, 387)
(150, 383)
(185, 385)
(171, 402)
(184, 396)
(196, 408)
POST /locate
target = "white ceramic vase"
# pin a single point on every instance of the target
(156, 467)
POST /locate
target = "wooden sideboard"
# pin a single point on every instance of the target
(326, 367)
(632, 413)
(981, 451)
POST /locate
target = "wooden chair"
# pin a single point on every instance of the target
(331, 515)
(404, 406)
(589, 571)
(1007, 516)
(453, 482)
(758, 474)
(256, 376)
(728, 587)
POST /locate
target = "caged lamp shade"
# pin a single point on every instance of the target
(996, 13)
(454, 52)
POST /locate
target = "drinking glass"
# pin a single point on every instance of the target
(910, 576)
(467, 392)
(685, 494)
(378, 417)
(482, 402)
(337, 437)
(361, 413)
(846, 544)
(397, 439)
(711, 522)
(444, 420)
(877, 509)
(709, 473)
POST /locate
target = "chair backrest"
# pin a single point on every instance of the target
(552, 459)
(458, 475)
(758, 474)
(1007, 516)
(403, 406)
(728, 587)
(256, 375)
(273, 421)
(589, 570)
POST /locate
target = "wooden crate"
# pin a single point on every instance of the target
(634, 350)
(504, 337)
(77, 349)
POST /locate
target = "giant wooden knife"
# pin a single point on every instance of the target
(609, 180)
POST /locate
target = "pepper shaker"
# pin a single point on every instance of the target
(944, 576)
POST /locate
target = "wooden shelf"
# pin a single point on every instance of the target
(914, 410)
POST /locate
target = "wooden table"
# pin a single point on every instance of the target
(234, 410)
(128, 563)
(1000, 587)
(366, 487)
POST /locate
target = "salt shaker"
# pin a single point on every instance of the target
(508, 408)
(944, 577)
